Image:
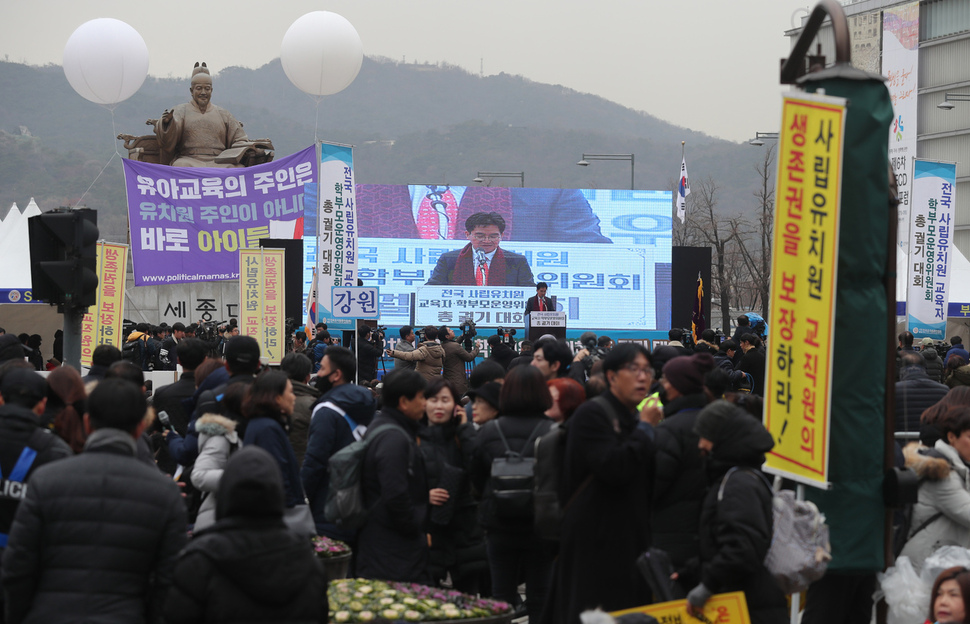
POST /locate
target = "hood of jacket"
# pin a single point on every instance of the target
(215, 425)
(930, 355)
(927, 463)
(136, 335)
(357, 401)
(913, 372)
(434, 349)
(303, 390)
(260, 556)
(739, 439)
(251, 486)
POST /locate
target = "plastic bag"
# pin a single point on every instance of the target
(906, 594)
(945, 557)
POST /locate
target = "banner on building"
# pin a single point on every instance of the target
(261, 296)
(931, 227)
(798, 370)
(337, 229)
(729, 608)
(103, 323)
(900, 64)
(189, 223)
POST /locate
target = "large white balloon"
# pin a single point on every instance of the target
(106, 61)
(321, 53)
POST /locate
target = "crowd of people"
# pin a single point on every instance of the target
(194, 503)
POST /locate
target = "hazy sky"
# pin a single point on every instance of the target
(708, 65)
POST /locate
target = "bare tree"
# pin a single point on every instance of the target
(716, 232)
(756, 254)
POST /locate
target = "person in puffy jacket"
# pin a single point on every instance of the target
(941, 515)
(736, 524)
(248, 567)
(217, 440)
(429, 355)
(934, 363)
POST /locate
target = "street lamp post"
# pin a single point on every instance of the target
(760, 138)
(588, 157)
(499, 174)
(949, 98)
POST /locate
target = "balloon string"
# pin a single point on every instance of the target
(316, 121)
(115, 145)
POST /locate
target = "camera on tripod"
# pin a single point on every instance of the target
(507, 334)
(468, 333)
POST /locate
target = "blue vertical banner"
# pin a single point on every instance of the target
(931, 241)
(337, 228)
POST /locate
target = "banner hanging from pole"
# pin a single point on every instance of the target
(261, 297)
(103, 323)
(336, 229)
(189, 223)
(931, 227)
(804, 259)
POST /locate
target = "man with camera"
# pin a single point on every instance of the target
(453, 367)
(370, 346)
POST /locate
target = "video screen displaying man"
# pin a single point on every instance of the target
(482, 262)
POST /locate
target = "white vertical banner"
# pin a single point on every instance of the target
(336, 229)
(900, 63)
(927, 291)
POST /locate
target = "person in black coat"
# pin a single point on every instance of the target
(606, 489)
(736, 524)
(97, 535)
(248, 567)
(457, 540)
(499, 351)
(680, 482)
(915, 391)
(392, 544)
(753, 362)
(269, 402)
(511, 541)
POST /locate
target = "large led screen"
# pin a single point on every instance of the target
(605, 254)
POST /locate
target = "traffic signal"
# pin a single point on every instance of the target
(63, 261)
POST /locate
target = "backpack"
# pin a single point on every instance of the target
(344, 506)
(800, 551)
(134, 352)
(512, 479)
(550, 455)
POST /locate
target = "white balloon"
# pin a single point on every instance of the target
(321, 53)
(106, 61)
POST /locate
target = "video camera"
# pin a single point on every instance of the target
(589, 342)
(507, 335)
(468, 333)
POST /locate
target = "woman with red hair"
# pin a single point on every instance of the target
(567, 395)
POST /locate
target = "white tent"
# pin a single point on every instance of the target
(15, 242)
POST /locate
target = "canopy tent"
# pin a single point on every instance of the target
(15, 242)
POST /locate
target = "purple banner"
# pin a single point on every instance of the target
(188, 223)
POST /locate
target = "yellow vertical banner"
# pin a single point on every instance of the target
(261, 296)
(729, 608)
(803, 279)
(103, 323)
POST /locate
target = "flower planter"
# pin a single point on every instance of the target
(336, 567)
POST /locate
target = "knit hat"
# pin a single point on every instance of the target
(10, 348)
(715, 419)
(686, 373)
(927, 341)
